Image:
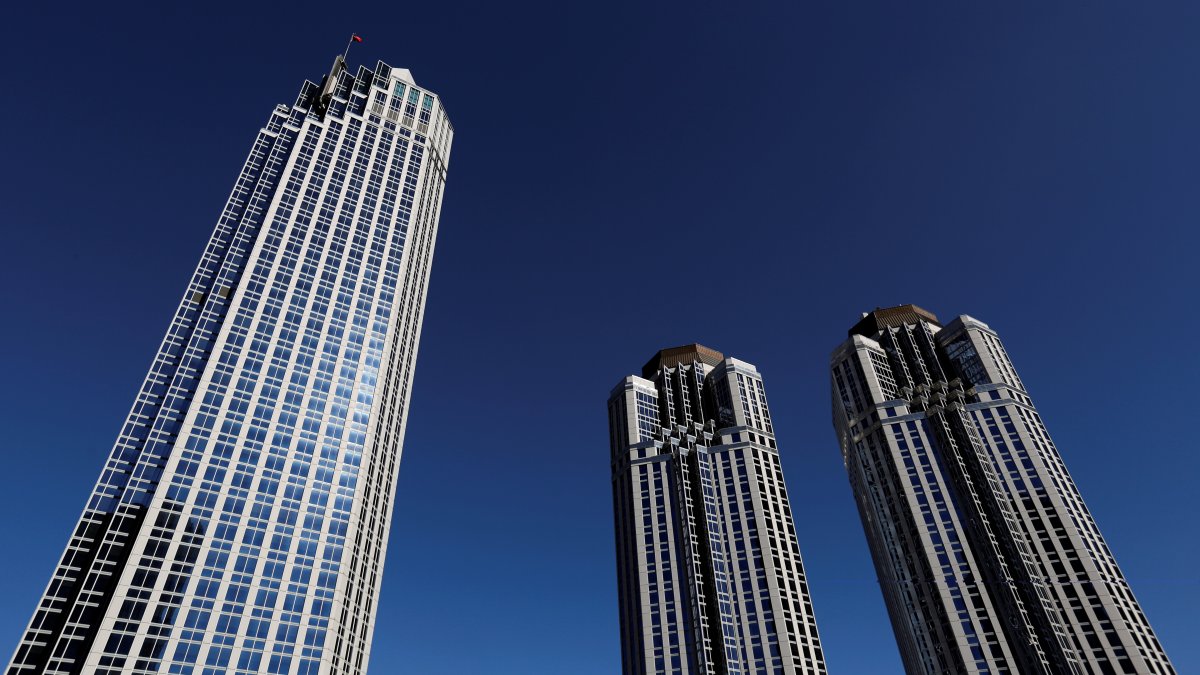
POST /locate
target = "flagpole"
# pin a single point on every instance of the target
(346, 53)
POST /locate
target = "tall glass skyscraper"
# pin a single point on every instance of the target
(241, 520)
(989, 560)
(709, 574)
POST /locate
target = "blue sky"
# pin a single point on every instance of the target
(626, 178)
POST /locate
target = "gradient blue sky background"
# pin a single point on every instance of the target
(628, 177)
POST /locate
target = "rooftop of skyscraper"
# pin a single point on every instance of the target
(875, 321)
(673, 356)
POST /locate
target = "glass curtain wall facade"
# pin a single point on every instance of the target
(709, 573)
(241, 520)
(988, 558)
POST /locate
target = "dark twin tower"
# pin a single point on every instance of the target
(990, 561)
(709, 570)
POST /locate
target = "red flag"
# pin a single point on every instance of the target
(355, 37)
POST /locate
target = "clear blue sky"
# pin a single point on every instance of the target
(625, 179)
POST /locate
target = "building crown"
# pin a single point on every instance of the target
(872, 323)
(667, 358)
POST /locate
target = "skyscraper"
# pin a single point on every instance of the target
(241, 520)
(989, 560)
(709, 573)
